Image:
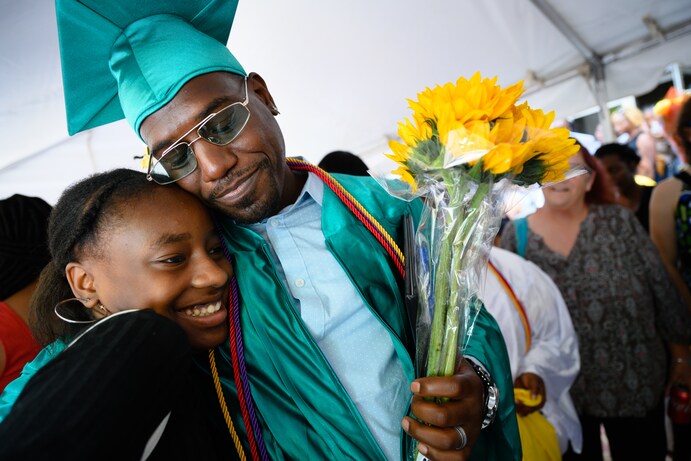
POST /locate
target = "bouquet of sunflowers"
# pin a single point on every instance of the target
(464, 146)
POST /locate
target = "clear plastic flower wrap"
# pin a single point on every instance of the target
(461, 215)
(460, 220)
(467, 149)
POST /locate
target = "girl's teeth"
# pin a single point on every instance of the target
(204, 311)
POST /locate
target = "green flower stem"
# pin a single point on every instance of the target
(462, 239)
(448, 289)
(442, 279)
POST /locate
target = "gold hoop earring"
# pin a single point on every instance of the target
(67, 319)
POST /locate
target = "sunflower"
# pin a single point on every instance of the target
(469, 121)
(467, 136)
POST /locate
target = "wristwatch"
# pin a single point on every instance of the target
(491, 391)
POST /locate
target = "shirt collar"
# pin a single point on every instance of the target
(314, 187)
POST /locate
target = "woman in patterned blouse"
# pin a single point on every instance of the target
(624, 308)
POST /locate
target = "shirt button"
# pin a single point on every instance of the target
(275, 223)
(299, 283)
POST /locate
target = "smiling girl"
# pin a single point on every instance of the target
(138, 286)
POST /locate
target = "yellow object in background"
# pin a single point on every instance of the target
(644, 180)
(523, 396)
(146, 159)
(538, 437)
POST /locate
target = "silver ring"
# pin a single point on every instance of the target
(464, 438)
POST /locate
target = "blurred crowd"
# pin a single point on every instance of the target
(615, 241)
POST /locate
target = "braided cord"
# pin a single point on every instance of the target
(237, 357)
(358, 210)
(249, 416)
(224, 407)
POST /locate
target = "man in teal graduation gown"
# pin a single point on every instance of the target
(321, 313)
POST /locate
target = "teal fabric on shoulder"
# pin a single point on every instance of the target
(521, 227)
(13, 389)
(129, 58)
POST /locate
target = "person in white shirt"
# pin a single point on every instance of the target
(539, 336)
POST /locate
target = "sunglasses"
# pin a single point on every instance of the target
(220, 128)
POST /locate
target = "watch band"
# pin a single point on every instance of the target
(491, 391)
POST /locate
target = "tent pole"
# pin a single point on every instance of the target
(599, 88)
(595, 63)
(565, 28)
(677, 77)
(673, 33)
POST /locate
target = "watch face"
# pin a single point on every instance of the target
(491, 392)
(492, 402)
(492, 396)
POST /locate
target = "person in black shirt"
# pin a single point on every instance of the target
(621, 163)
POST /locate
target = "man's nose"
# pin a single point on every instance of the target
(214, 161)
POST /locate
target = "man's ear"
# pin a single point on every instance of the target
(81, 281)
(257, 85)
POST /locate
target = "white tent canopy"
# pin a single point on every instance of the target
(340, 72)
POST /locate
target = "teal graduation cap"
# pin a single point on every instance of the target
(128, 58)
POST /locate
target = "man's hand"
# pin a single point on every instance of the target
(438, 438)
(536, 386)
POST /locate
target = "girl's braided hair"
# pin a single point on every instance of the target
(85, 212)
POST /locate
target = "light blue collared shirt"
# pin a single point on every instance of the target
(357, 345)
